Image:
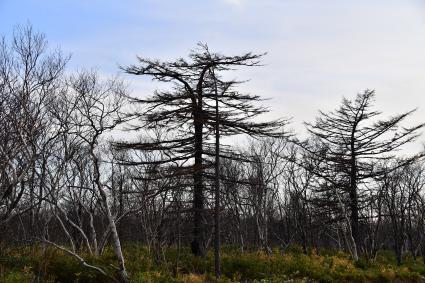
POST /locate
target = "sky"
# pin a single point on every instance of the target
(317, 51)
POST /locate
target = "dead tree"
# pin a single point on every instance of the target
(401, 195)
(30, 76)
(349, 143)
(265, 172)
(86, 111)
(187, 110)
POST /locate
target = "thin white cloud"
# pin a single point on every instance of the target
(233, 2)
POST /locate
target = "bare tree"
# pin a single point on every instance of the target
(401, 193)
(264, 175)
(350, 141)
(87, 110)
(30, 76)
(187, 110)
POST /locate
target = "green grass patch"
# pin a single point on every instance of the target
(46, 264)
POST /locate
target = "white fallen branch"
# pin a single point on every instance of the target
(82, 261)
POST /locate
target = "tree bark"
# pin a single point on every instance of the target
(198, 243)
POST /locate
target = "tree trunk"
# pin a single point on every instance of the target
(116, 244)
(217, 266)
(115, 239)
(198, 243)
(354, 207)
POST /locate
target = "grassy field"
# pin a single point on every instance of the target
(40, 264)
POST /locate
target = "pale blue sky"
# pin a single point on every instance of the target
(318, 51)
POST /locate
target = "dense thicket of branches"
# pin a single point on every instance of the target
(64, 182)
